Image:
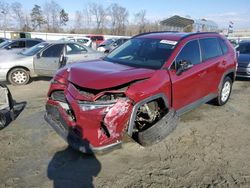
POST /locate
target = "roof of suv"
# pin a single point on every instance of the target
(175, 36)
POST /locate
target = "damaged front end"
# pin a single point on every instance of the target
(89, 120)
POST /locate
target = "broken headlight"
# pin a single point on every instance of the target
(85, 106)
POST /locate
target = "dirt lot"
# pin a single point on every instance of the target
(209, 148)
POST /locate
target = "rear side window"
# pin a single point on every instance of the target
(190, 52)
(223, 45)
(18, 44)
(31, 43)
(210, 48)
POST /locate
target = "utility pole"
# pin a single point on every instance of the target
(4, 23)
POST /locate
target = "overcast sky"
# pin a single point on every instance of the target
(220, 11)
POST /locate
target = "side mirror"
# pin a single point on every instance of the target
(182, 66)
(38, 55)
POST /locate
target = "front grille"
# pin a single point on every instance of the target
(58, 96)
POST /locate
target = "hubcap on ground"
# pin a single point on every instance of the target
(225, 91)
(19, 77)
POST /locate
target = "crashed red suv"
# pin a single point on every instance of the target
(139, 89)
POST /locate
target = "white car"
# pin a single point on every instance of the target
(82, 40)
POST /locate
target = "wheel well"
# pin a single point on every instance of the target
(231, 75)
(25, 68)
(159, 98)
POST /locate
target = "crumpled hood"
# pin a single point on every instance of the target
(102, 74)
(244, 60)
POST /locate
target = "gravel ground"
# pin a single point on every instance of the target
(209, 148)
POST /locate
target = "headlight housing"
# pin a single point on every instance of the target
(86, 106)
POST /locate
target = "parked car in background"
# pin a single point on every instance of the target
(243, 50)
(115, 44)
(97, 39)
(2, 39)
(43, 59)
(104, 45)
(82, 40)
(19, 44)
(140, 89)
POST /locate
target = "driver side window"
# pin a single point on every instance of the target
(190, 53)
(53, 51)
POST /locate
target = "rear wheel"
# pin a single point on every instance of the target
(224, 92)
(18, 76)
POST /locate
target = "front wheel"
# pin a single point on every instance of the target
(18, 76)
(225, 92)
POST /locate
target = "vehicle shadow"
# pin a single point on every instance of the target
(70, 168)
(43, 78)
(242, 79)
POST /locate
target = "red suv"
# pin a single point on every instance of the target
(140, 88)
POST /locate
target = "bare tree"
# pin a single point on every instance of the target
(141, 21)
(119, 19)
(4, 15)
(78, 21)
(55, 16)
(99, 15)
(17, 11)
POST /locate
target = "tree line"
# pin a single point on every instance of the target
(93, 18)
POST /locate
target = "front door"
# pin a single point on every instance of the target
(48, 62)
(189, 86)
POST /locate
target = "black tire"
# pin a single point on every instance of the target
(2, 120)
(160, 130)
(18, 76)
(225, 91)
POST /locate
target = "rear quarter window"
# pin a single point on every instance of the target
(223, 45)
(210, 48)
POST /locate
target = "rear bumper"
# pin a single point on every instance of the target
(74, 140)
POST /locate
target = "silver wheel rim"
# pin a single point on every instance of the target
(19, 77)
(225, 91)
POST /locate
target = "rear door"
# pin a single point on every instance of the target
(48, 62)
(189, 86)
(214, 62)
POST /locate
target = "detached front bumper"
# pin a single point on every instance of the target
(57, 122)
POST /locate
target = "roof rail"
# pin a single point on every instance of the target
(197, 33)
(152, 32)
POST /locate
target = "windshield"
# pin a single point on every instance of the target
(34, 50)
(5, 43)
(142, 53)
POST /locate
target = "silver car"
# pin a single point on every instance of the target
(43, 59)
